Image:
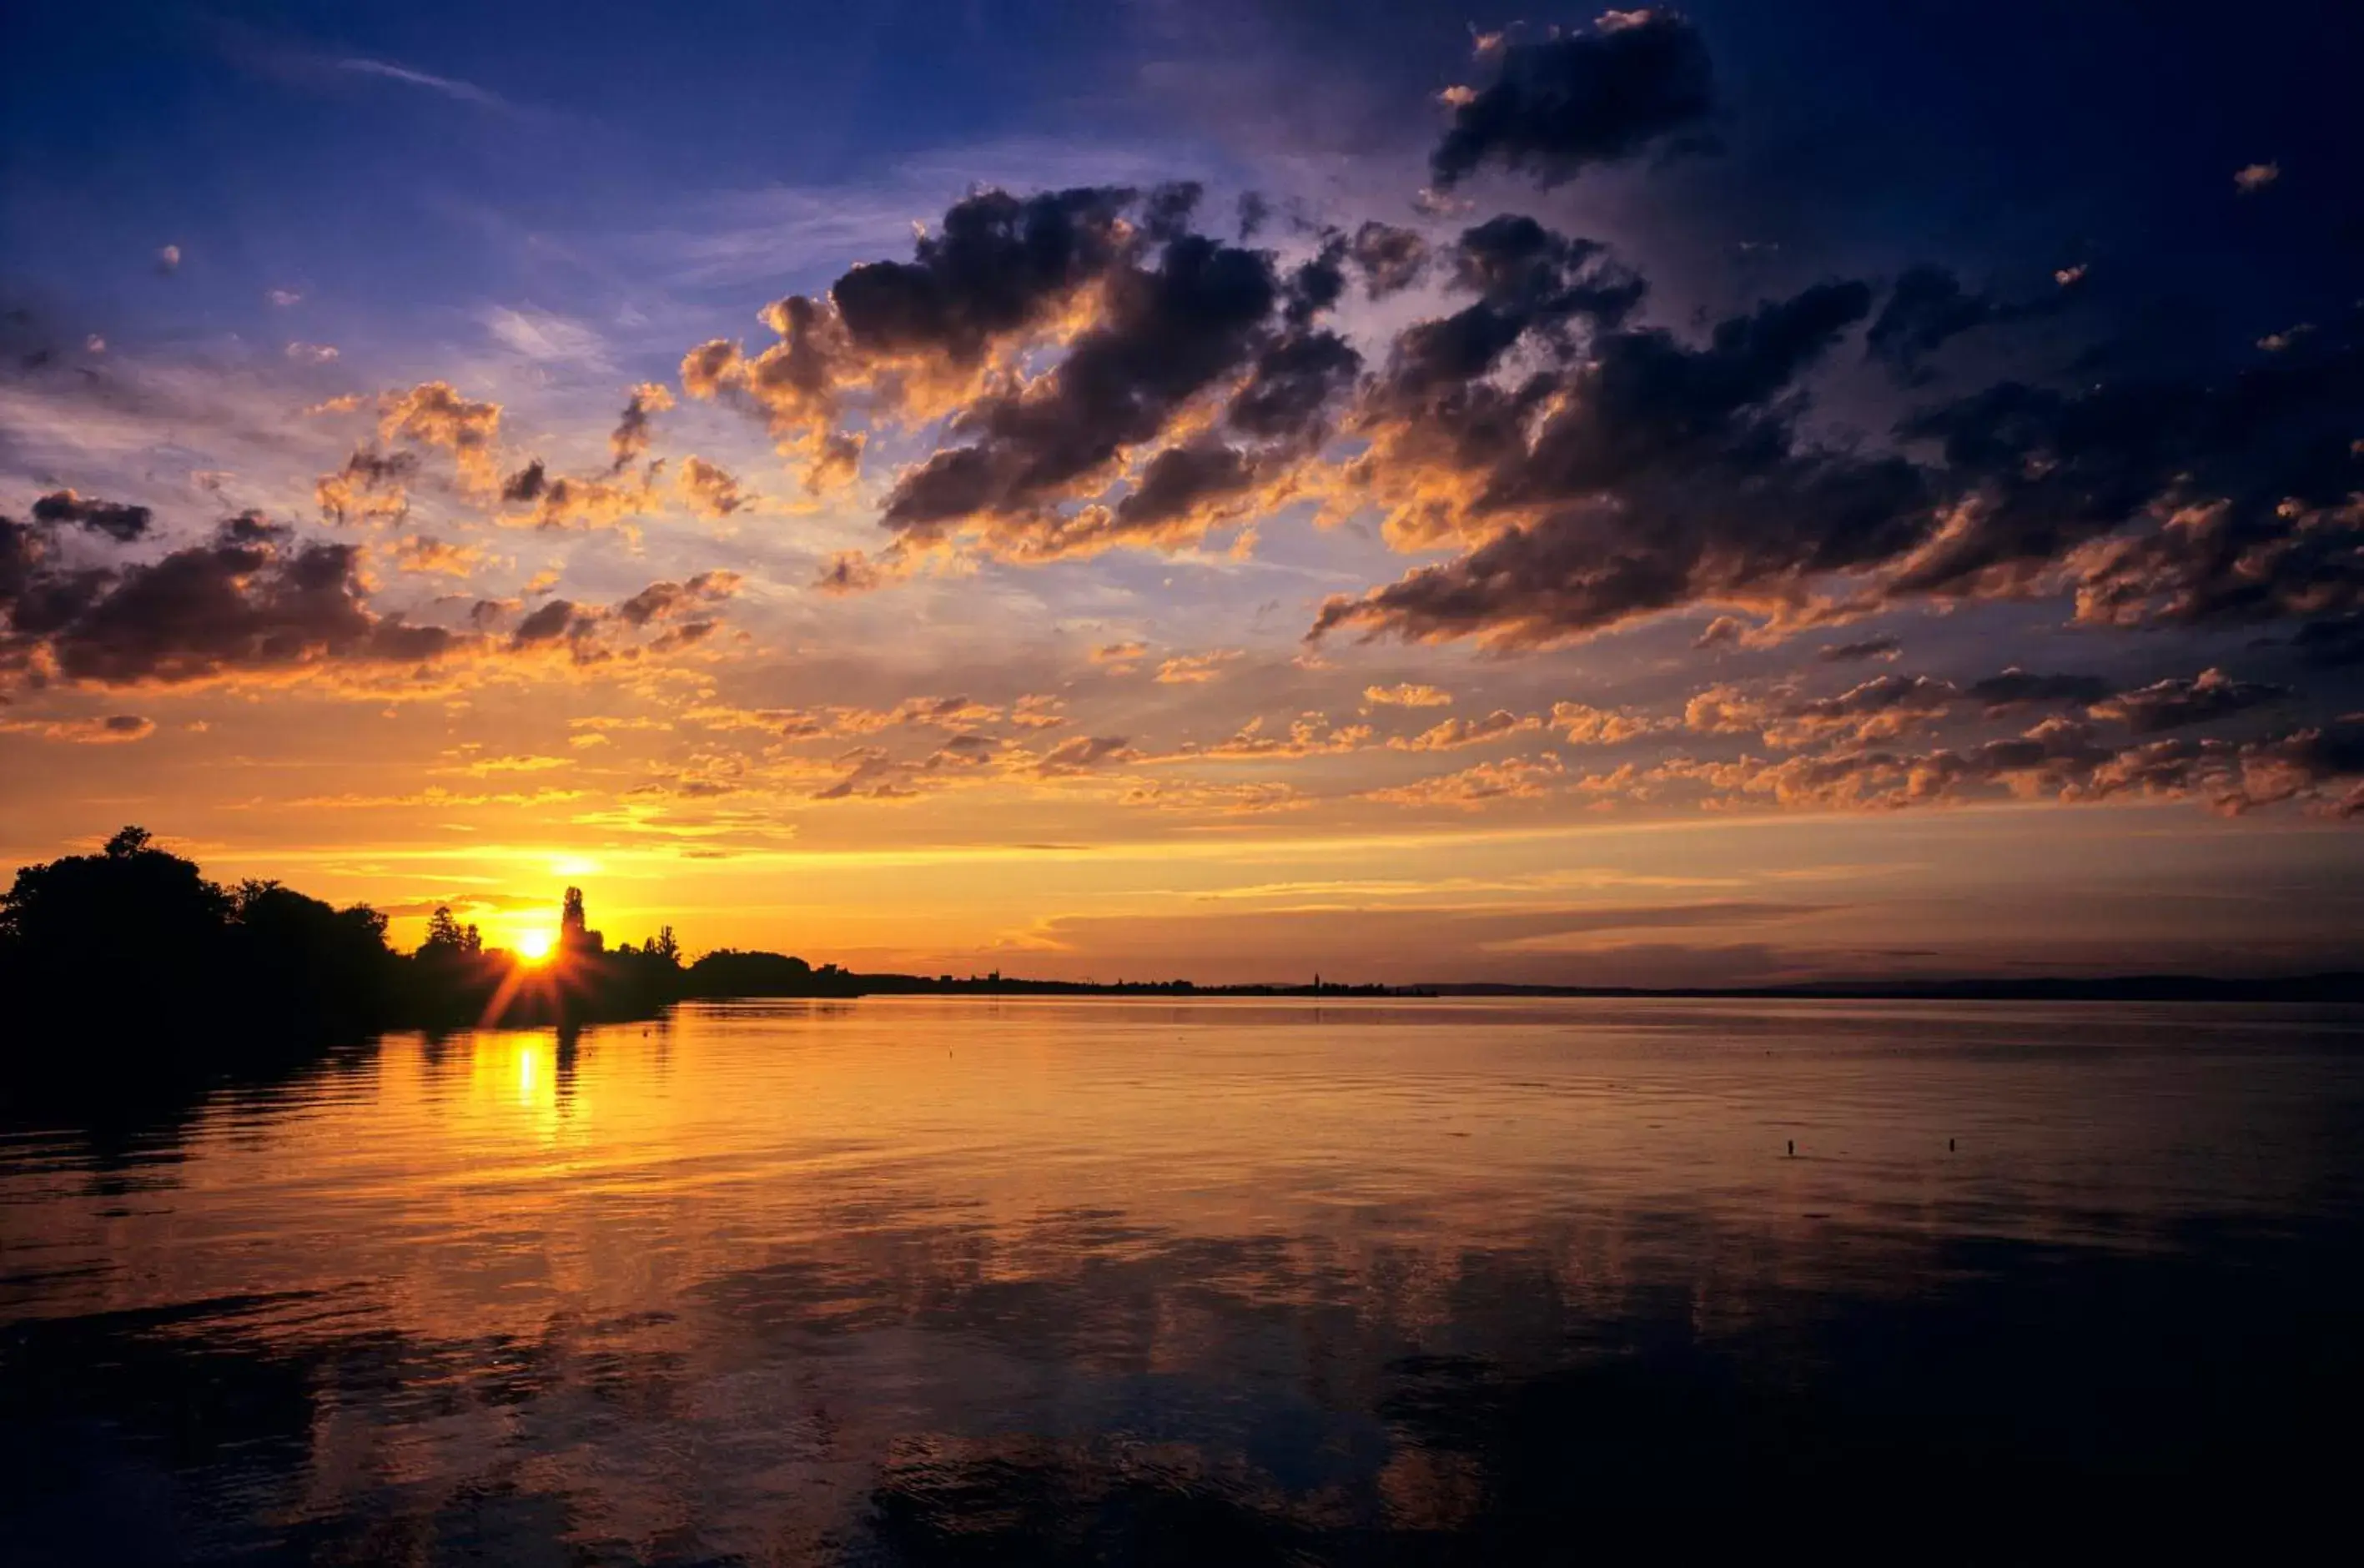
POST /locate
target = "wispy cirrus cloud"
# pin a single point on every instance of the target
(449, 86)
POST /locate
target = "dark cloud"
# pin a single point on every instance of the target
(1559, 106)
(2331, 644)
(1531, 283)
(1179, 481)
(559, 617)
(2229, 500)
(244, 602)
(1255, 210)
(562, 503)
(894, 339)
(709, 490)
(2062, 759)
(1081, 752)
(1618, 472)
(1880, 707)
(434, 414)
(631, 439)
(1638, 477)
(1153, 320)
(526, 485)
(1391, 259)
(2016, 687)
(371, 485)
(661, 601)
(2175, 703)
(1165, 335)
(2310, 759)
(254, 601)
(117, 521)
(1928, 308)
(997, 265)
(1167, 211)
(1853, 653)
(1291, 388)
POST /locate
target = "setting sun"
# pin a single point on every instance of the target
(535, 946)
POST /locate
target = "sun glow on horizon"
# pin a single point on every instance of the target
(535, 945)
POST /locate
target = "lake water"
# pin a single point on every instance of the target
(921, 1281)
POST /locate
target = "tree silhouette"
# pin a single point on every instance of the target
(443, 933)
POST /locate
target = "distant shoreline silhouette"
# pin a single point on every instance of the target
(133, 949)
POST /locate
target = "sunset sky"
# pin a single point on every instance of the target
(1740, 494)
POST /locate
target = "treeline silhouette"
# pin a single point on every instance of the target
(134, 953)
(135, 947)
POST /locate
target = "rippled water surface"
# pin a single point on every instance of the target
(1062, 1281)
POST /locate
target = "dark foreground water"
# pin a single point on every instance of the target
(1048, 1282)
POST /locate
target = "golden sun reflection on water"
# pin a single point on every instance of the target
(830, 1239)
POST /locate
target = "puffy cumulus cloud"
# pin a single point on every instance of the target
(559, 503)
(941, 712)
(1188, 379)
(836, 721)
(1389, 259)
(1310, 735)
(676, 601)
(114, 519)
(433, 414)
(855, 571)
(1560, 105)
(1204, 323)
(2057, 757)
(1456, 733)
(2060, 759)
(631, 439)
(965, 759)
(1475, 788)
(1580, 724)
(1889, 707)
(1197, 669)
(1038, 710)
(1630, 475)
(2158, 501)
(708, 489)
(1878, 709)
(2323, 765)
(371, 487)
(919, 338)
(249, 600)
(1599, 472)
(1928, 308)
(111, 730)
(1201, 797)
(678, 614)
(1407, 695)
(1119, 658)
(1081, 753)
(254, 603)
(426, 555)
(2175, 703)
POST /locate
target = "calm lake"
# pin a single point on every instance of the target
(935, 1281)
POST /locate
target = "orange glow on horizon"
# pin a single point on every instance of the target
(536, 945)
